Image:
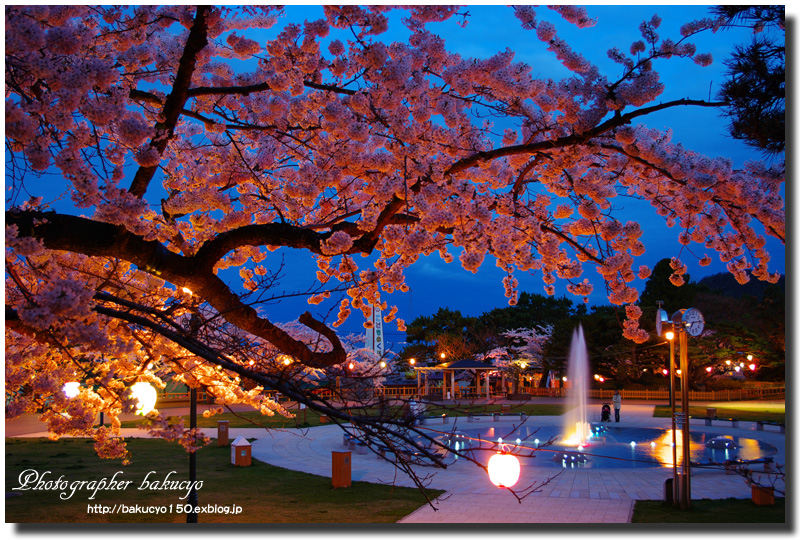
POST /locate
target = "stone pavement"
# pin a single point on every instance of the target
(573, 496)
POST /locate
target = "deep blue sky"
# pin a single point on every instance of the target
(435, 284)
(490, 29)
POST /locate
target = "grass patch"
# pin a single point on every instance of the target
(266, 494)
(310, 418)
(754, 414)
(710, 511)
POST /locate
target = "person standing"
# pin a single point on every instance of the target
(617, 404)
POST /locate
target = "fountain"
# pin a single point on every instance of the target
(576, 427)
(577, 443)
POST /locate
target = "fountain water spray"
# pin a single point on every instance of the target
(577, 428)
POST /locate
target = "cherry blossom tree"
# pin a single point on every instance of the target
(153, 151)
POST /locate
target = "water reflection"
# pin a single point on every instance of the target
(617, 447)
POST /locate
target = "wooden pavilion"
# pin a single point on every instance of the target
(450, 369)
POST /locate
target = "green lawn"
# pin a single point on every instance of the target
(310, 418)
(266, 494)
(710, 511)
(765, 413)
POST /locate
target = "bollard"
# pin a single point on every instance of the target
(341, 465)
(222, 433)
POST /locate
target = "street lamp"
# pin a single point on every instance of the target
(670, 335)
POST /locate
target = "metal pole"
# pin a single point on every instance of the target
(686, 500)
(191, 516)
(672, 415)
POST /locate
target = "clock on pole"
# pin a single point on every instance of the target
(693, 322)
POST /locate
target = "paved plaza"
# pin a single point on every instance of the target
(574, 496)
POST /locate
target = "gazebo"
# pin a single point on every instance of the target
(451, 368)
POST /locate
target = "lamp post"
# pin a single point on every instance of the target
(191, 515)
(671, 337)
(686, 499)
(686, 322)
(195, 323)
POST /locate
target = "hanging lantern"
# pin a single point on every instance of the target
(504, 470)
(71, 389)
(146, 396)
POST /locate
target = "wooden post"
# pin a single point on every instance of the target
(340, 476)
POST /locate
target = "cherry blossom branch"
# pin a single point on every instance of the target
(571, 140)
(82, 235)
(260, 87)
(173, 105)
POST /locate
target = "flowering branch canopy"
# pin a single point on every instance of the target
(162, 145)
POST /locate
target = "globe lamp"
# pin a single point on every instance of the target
(146, 395)
(71, 389)
(504, 470)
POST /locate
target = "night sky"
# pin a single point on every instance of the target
(435, 284)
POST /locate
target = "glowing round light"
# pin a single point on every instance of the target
(728, 362)
(146, 396)
(602, 379)
(412, 361)
(500, 440)
(71, 389)
(564, 379)
(678, 372)
(442, 356)
(596, 376)
(633, 443)
(519, 441)
(749, 356)
(504, 470)
(351, 365)
(670, 335)
(708, 369)
(536, 442)
(737, 368)
(382, 364)
(287, 361)
(653, 444)
(752, 367)
(665, 371)
(187, 290)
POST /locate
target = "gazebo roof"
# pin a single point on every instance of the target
(458, 364)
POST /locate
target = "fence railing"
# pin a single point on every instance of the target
(778, 392)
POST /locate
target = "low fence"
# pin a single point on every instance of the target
(778, 392)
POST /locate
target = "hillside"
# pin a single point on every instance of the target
(724, 283)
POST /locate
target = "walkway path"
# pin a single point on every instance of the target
(574, 496)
